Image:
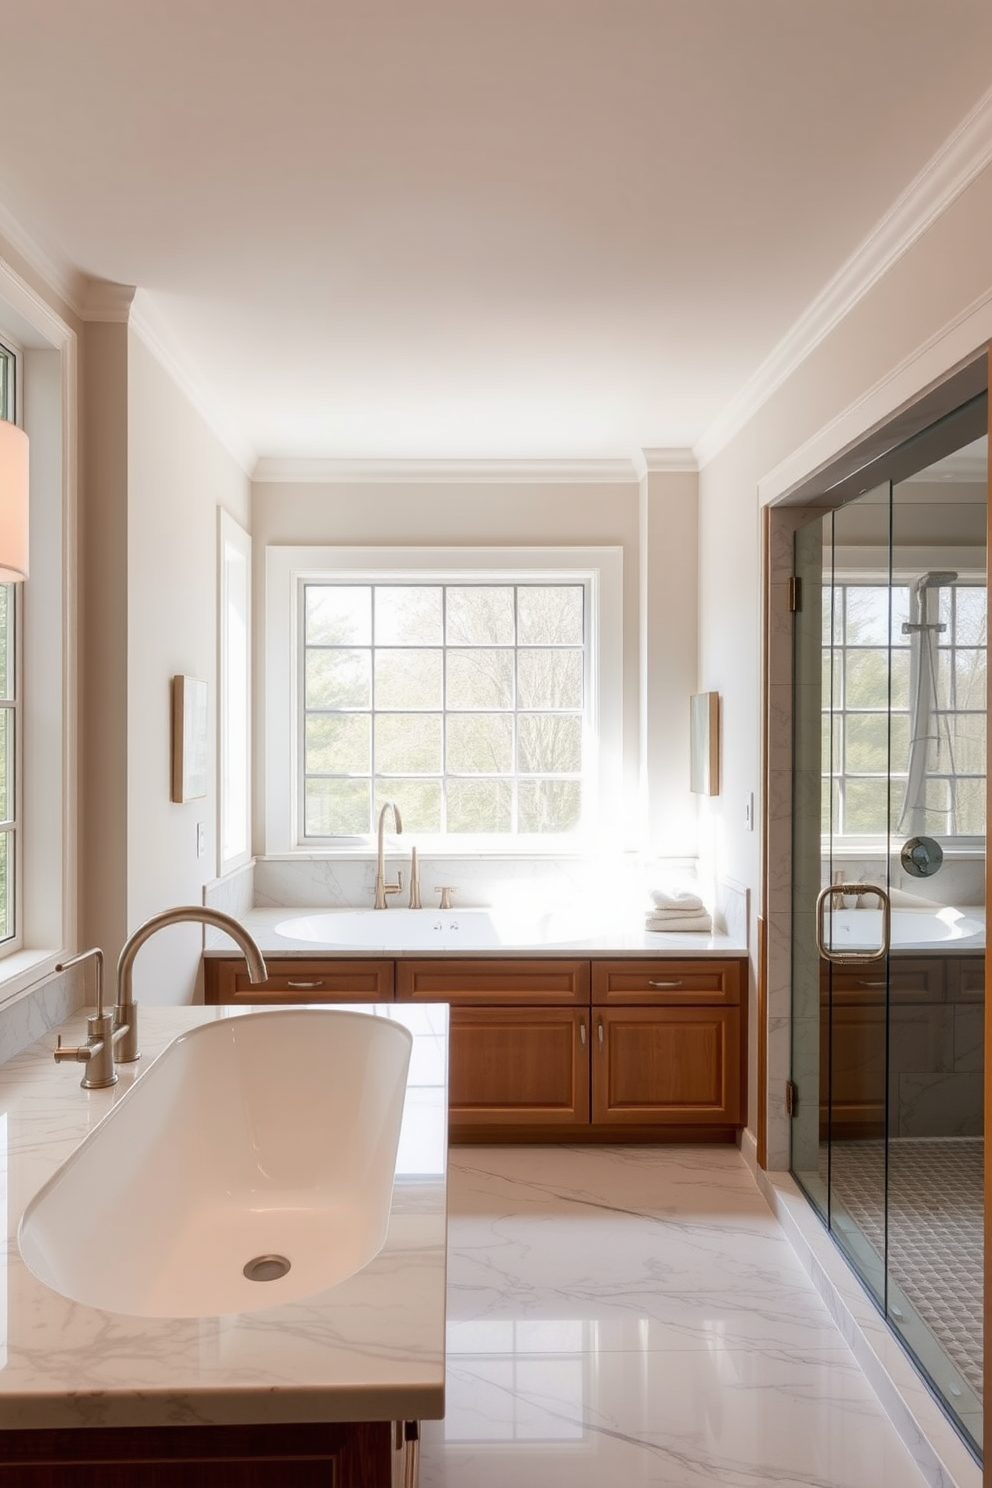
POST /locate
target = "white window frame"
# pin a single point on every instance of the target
(882, 578)
(48, 875)
(15, 822)
(600, 568)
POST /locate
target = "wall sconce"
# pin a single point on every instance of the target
(13, 503)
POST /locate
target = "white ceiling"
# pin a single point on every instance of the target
(472, 229)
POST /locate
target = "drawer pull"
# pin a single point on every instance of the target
(666, 986)
(304, 986)
(872, 984)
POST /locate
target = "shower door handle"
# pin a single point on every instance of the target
(852, 957)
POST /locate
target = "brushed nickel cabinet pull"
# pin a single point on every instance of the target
(304, 986)
(582, 1034)
(665, 985)
(599, 1034)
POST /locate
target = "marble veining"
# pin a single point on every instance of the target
(637, 1316)
(371, 1347)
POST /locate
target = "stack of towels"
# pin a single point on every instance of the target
(677, 909)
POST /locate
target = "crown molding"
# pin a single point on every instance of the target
(102, 300)
(962, 157)
(152, 328)
(665, 461)
(271, 469)
(55, 272)
(947, 351)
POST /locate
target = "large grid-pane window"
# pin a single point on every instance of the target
(8, 702)
(465, 703)
(897, 690)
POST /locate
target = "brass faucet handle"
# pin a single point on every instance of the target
(397, 887)
(446, 891)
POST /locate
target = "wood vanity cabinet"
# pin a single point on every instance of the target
(666, 1048)
(554, 1048)
(874, 1029)
(292, 979)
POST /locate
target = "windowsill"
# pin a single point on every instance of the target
(428, 850)
(23, 970)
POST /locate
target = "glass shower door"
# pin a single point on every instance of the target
(889, 793)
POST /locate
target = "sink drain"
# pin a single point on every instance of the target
(266, 1267)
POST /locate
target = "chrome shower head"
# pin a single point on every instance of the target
(936, 579)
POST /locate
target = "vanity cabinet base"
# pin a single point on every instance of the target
(345, 1455)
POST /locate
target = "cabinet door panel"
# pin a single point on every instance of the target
(666, 981)
(518, 1066)
(488, 980)
(666, 1065)
(965, 978)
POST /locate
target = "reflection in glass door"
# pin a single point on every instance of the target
(889, 792)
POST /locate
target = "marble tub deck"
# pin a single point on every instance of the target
(636, 1316)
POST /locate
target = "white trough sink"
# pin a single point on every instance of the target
(267, 1134)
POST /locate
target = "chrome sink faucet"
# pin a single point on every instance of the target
(382, 888)
(126, 1011)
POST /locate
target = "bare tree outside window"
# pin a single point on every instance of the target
(465, 703)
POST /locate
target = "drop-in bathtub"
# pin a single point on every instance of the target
(911, 929)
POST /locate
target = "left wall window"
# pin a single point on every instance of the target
(9, 687)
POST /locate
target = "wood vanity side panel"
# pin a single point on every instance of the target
(349, 1455)
(492, 980)
(293, 979)
(665, 980)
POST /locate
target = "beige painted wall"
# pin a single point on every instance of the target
(915, 325)
(177, 476)
(104, 641)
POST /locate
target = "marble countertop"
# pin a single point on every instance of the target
(370, 1348)
(611, 938)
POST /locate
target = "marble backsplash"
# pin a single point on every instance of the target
(958, 881)
(42, 1008)
(617, 889)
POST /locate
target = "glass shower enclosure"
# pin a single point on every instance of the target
(889, 795)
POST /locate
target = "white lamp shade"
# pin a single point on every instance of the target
(13, 503)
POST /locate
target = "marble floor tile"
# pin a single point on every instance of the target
(635, 1316)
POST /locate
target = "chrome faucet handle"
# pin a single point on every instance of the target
(446, 891)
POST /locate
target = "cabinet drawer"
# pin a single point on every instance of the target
(492, 981)
(327, 979)
(910, 979)
(666, 981)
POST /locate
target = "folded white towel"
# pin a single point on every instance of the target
(677, 922)
(674, 898)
